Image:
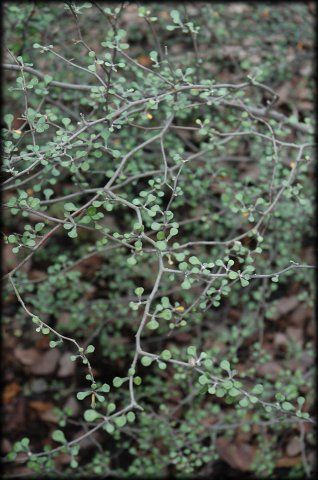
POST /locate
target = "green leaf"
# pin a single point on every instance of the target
(66, 121)
(58, 436)
(183, 266)
(90, 349)
(287, 406)
(48, 192)
(134, 305)
(165, 302)
(301, 401)
(109, 428)
(11, 456)
(153, 324)
(257, 389)
(91, 415)
(186, 284)
(173, 232)
(161, 245)
(131, 261)
(72, 233)
(194, 261)
(212, 389)
(47, 79)
(192, 350)
(120, 421)
(244, 402)
(111, 407)
(70, 207)
(225, 365)
(166, 355)
(25, 442)
(137, 380)
(220, 392)
(234, 392)
(146, 361)
(117, 382)
(74, 463)
(166, 314)
(8, 120)
(139, 291)
(100, 398)
(154, 56)
(105, 388)
(175, 15)
(82, 395)
(11, 239)
(39, 226)
(208, 363)
(203, 379)
(253, 399)
(130, 417)
(156, 226)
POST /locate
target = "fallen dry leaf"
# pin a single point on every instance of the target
(285, 305)
(269, 368)
(28, 356)
(144, 60)
(63, 459)
(311, 329)
(299, 315)
(22, 471)
(47, 363)
(40, 406)
(183, 337)
(6, 445)
(44, 410)
(288, 462)
(49, 416)
(10, 391)
(16, 415)
(42, 342)
(280, 340)
(37, 275)
(67, 367)
(293, 447)
(10, 260)
(295, 334)
(238, 456)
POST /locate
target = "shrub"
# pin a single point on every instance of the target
(157, 202)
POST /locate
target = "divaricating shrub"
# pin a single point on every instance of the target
(158, 205)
